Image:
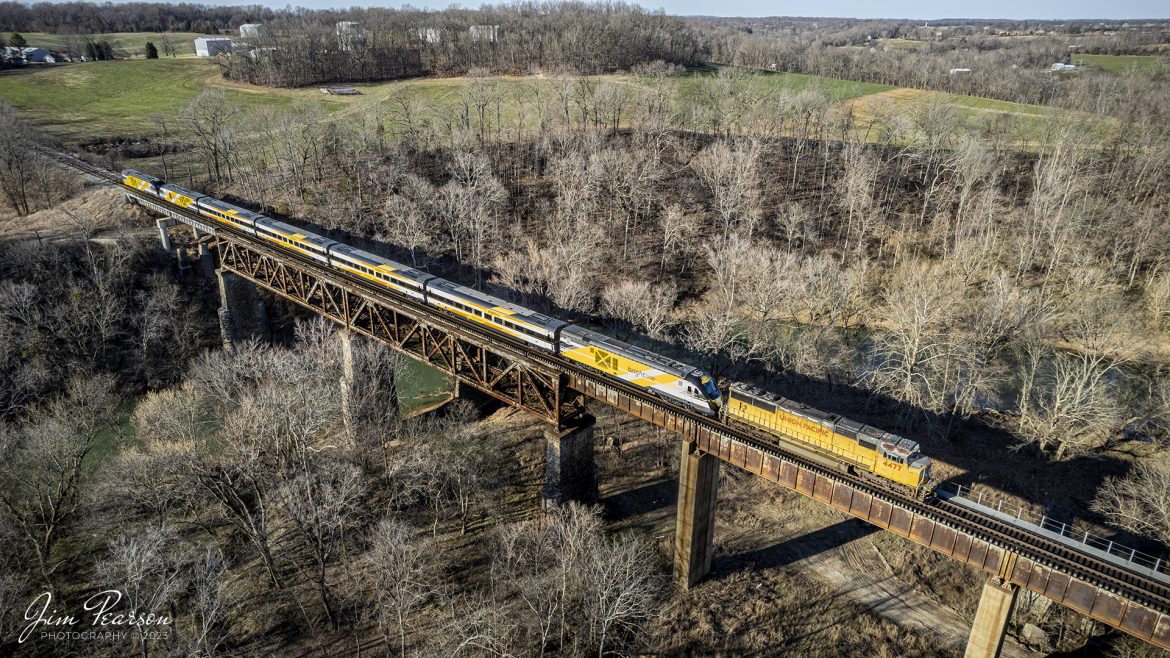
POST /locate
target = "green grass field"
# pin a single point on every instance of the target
(92, 100)
(126, 44)
(1121, 63)
(95, 99)
(837, 90)
(1025, 125)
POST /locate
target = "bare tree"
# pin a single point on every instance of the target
(680, 233)
(209, 601)
(211, 119)
(855, 194)
(408, 225)
(577, 589)
(1139, 501)
(914, 349)
(13, 581)
(733, 178)
(18, 160)
(644, 305)
(402, 571)
(42, 481)
(1156, 297)
(151, 479)
(323, 507)
(620, 589)
(146, 568)
(796, 223)
(1068, 407)
(179, 416)
(471, 203)
(713, 330)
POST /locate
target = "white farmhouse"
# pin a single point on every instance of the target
(250, 30)
(212, 46)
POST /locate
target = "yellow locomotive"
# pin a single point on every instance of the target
(858, 448)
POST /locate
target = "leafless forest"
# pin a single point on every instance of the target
(995, 289)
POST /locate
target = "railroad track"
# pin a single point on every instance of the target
(1056, 555)
(1063, 557)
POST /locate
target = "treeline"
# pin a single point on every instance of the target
(93, 18)
(1005, 68)
(386, 43)
(1113, 34)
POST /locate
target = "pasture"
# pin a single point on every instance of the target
(126, 45)
(95, 100)
(1122, 63)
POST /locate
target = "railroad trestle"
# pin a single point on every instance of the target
(490, 368)
(555, 391)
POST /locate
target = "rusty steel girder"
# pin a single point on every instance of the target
(922, 526)
(494, 369)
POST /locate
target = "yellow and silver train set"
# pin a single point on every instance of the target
(847, 444)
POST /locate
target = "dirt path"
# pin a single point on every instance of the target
(842, 557)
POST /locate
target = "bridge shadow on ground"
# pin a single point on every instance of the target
(793, 550)
(650, 497)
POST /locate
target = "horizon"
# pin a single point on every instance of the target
(893, 10)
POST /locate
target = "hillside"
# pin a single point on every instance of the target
(81, 102)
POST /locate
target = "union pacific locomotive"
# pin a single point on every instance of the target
(844, 443)
(839, 441)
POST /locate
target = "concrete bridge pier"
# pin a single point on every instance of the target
(164, 234)
(570, 472)
(698, 484)
(206, 260)
(242, 314)
(375, 399)
(168, 245)
(991, 619)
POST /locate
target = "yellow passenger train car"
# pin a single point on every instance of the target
(858, 448)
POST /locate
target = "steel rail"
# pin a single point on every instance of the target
(998, 533)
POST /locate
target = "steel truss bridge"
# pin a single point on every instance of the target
(556, 390)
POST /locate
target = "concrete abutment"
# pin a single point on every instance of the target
(991, 619)
(698, 483)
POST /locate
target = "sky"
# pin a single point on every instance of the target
(915, 9)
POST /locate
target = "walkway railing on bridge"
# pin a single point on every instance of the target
(1067, 533)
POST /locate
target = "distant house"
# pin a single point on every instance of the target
(212, 46)
(959, 71)
(348, 34)
(430, 34)
(1060, 66)
(250, 30)
(33, 55)
(484, 32)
